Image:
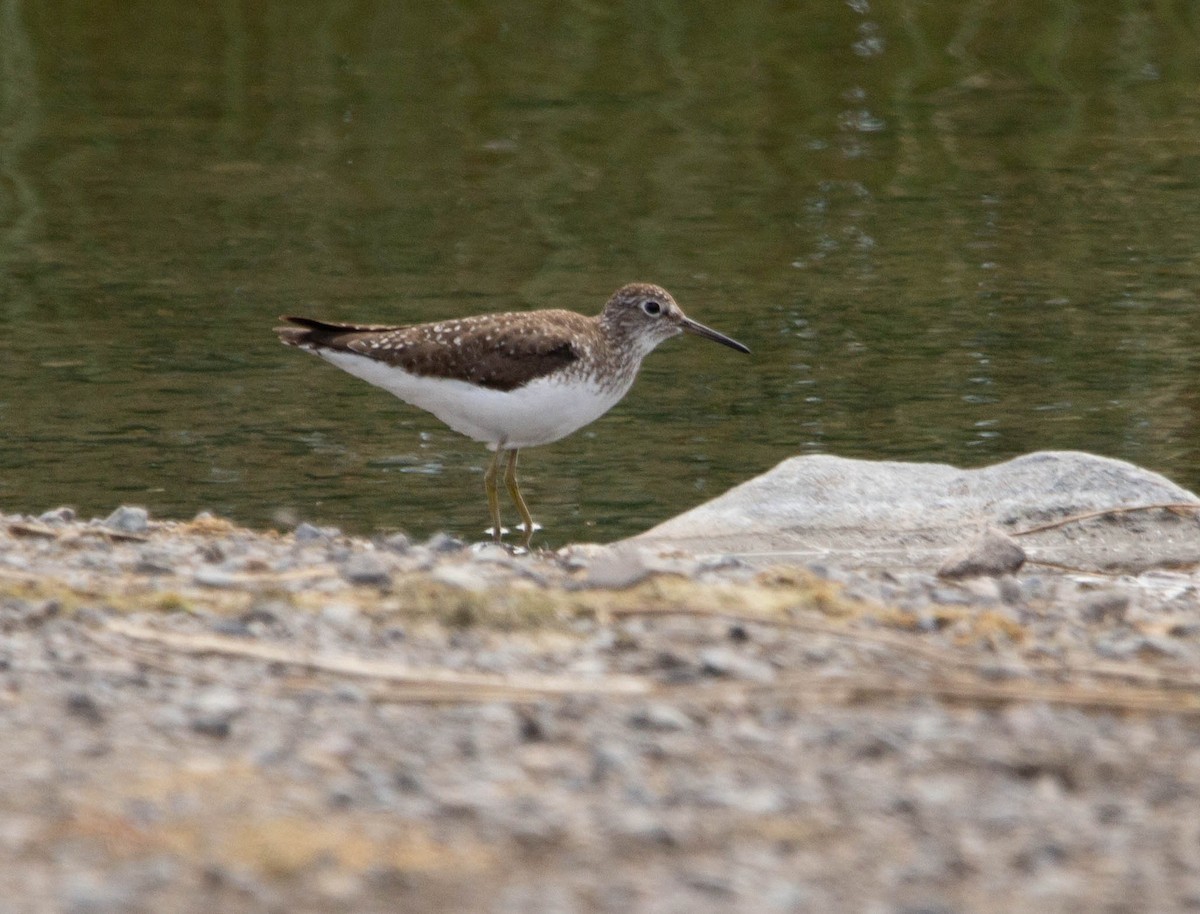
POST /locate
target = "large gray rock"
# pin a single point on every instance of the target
(859, 513)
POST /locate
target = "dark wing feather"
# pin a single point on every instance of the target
(311, 333)
(501, 352)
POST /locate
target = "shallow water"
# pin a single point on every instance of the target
(949, 234)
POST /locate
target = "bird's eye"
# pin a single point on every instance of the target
(651, 307)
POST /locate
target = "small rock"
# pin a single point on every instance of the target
(408, 780)
(341, 615)
(307, 533)
(1037, 588)
(62, 515)
(1163, 646)
(1129, 646)
(710, 883)
(85, 893)
(534, 725)
(339, 887)
(659, 717)
(398, 543)
(993, 554)
(128, 519)
(719, 661)
(616, 569)
(348, 693)
(444, 543)
(366, 570)
(267, 612)
(153, 562)
(642, 826)
(609, 761)
(335, 744)
(672, 662)
(233, 628)
(212, 711)
(83, 706)
(212, 552)
(1106, 606)
(208, 576)
(495, 553)
(956, 595)
(464, 577)
(26, 613)
(1010, 590)
(1117, 647)
(1184, 630)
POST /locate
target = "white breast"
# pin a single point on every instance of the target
(538, 413)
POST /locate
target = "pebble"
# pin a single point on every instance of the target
(84, 706)
(720, 661)
(659, 717)
(642, 826)
(616, 569)
(128, 519)
(208, 576)
(610, 760)
(84, 893)
(1106, 606)
(444, 543)
(348, 693)
(956, 596)
(398, 543)
(343, 615)
(153, 562)
(992, 554)
(212, 552)
(494, 553)
(464, 577)
(339, 887)
(307, 533)
(1121, 647)
(212, 711)
(1010, 591)
(365, 569)
(266, 612)
(62, 515)
(234, 628)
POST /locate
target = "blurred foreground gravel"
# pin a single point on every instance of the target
(196, 717)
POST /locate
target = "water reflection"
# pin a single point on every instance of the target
(949, 232)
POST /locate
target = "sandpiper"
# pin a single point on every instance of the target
(509, 380)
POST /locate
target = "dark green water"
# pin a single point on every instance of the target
(949, 232)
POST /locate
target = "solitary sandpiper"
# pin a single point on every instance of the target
(509, 380)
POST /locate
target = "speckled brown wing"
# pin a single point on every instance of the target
(497, 351)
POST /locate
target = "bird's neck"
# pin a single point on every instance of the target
(625, 343)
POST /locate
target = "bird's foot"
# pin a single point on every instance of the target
(527, 532)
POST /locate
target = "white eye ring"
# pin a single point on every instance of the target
(652, 307)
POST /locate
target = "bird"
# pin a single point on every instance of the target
(513, 380)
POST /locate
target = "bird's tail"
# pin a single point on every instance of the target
(310, 333)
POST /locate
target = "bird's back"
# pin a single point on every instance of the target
(495, 351)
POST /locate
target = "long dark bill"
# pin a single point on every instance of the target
(708, 333)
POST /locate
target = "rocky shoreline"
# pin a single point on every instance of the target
(201, 717)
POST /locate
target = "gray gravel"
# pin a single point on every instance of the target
(199, 717)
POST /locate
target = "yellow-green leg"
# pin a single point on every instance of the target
(514, 491)
(493, 495)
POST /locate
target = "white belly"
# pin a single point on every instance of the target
(538, 413)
